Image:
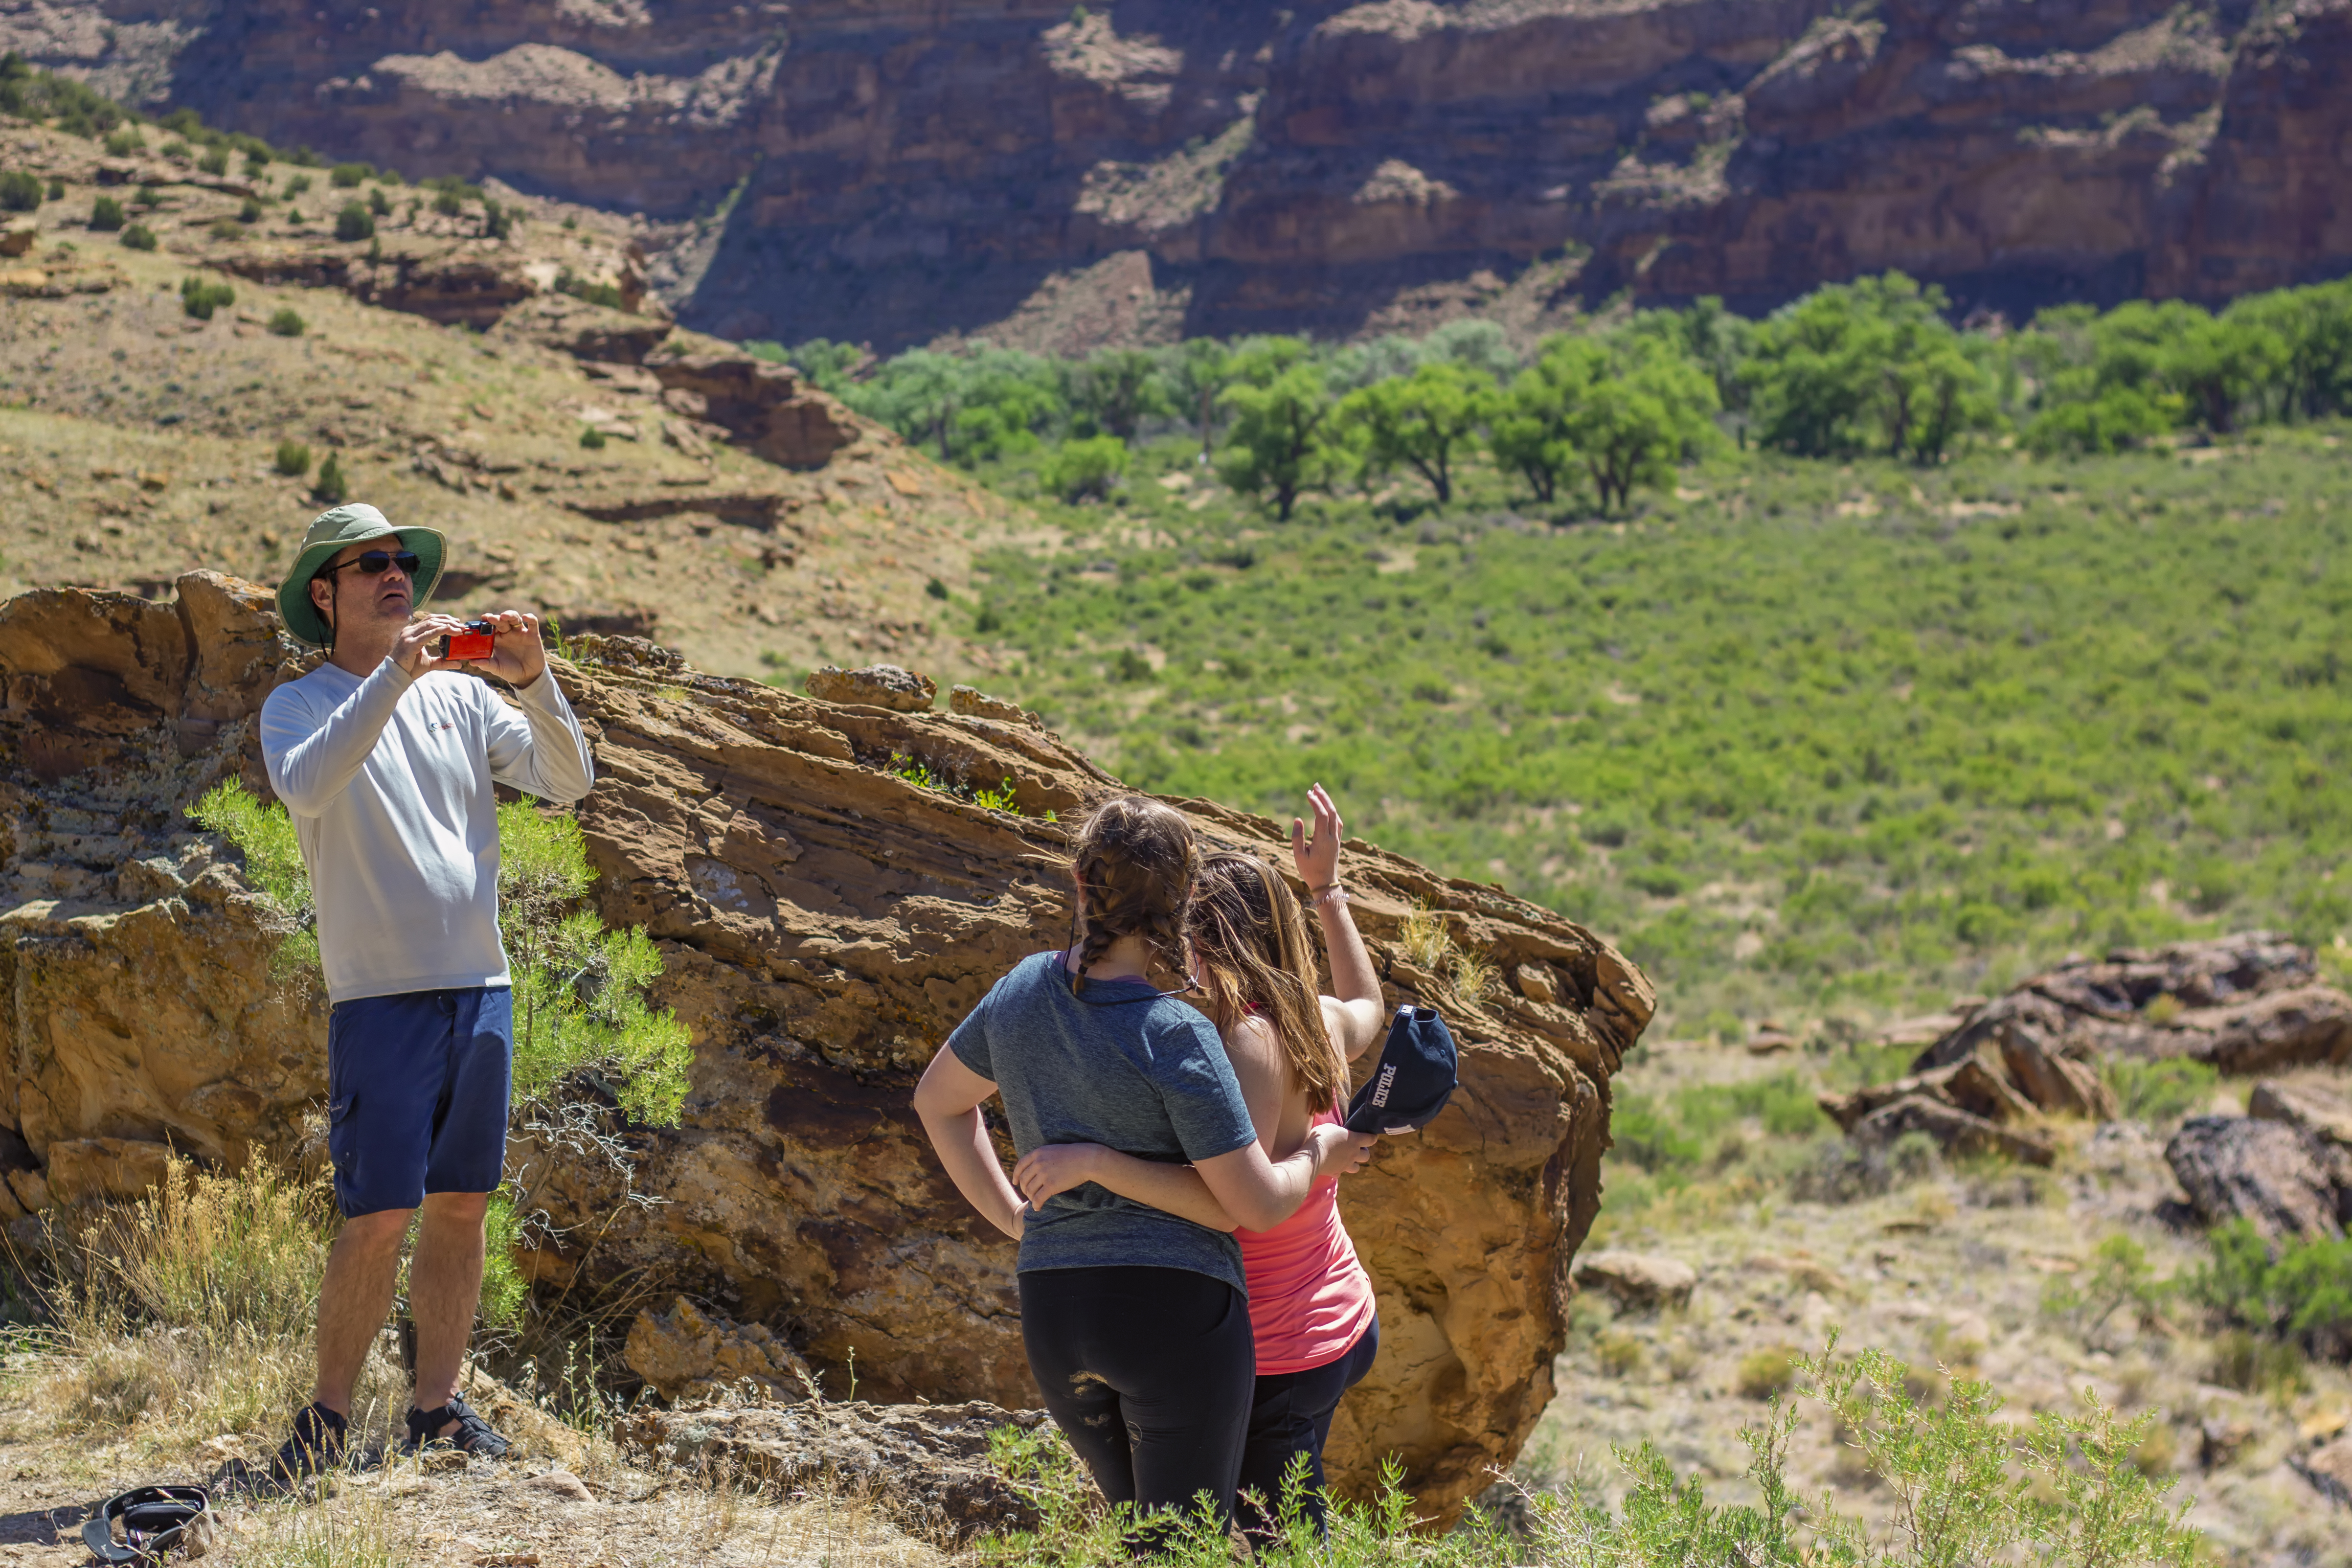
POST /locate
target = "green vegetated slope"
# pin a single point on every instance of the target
(1797, 732)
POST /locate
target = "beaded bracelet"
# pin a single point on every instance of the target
(1334, 894)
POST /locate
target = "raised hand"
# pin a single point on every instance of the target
(520, 657)
(413, 649)
(1317, 858)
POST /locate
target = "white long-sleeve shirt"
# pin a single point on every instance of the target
(388, 780)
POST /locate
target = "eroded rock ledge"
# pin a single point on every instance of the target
(824, 923)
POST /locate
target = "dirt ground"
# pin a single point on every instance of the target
(1947, 1272)
(570, 1500)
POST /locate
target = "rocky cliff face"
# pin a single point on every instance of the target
(1213, 165)
(825, 921)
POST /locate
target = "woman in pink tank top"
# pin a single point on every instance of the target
(1311, 1308)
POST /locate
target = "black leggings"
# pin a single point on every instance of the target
(1290, 1415)
(1149, 1374)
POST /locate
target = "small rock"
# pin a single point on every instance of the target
(1638, 1280)
(875, 686)
(687, 1354)
(562, 1484)
(975, 703)
(17, 238)
(438, 1461)
(2219, 1442)
(202, 1535)
(2329, 1469)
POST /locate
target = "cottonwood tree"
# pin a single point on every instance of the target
(1278, 444)
(1422, 420)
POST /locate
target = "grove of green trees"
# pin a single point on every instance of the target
(1870, 368)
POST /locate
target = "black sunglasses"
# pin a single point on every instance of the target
(373, 563)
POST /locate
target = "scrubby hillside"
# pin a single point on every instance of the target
(174, 407)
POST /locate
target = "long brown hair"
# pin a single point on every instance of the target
(1133, 860)
(1250, 937)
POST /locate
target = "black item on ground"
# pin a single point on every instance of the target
(316, 1443)
(153, 1521)
(1149, 1374)
(1414, 1079)
(472, 1436)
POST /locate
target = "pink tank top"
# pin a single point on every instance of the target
(1309, 1300)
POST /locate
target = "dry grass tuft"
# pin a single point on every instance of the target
(189, 1313)
(1431, 944)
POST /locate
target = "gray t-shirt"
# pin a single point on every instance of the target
(1123, 1067)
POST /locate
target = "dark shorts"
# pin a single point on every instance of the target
(416, 1095)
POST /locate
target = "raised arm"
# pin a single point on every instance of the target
(948, 1100)
(311, 763)
(541, 749)
(1355, 1015)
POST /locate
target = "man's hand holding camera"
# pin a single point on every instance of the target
(518, 657)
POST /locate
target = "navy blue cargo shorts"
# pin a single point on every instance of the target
(416, 1095)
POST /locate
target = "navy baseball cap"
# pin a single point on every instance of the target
(1414, 1079)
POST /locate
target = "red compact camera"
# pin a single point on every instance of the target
(478, 640)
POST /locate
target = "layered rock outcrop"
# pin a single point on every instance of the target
(904, 171)
(2241, 1004)
(825, 921)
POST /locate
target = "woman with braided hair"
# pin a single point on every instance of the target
(1135, 1316)
(1311, 1309)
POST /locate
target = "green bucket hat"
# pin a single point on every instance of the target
(330, 532)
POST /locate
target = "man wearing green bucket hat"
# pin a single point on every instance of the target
(385, 755)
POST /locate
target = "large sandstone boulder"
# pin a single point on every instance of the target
(825, 922)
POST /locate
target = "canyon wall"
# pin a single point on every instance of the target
(823, 922)
(894, 172)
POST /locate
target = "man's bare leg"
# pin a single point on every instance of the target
(355, 1298)
(444, 1284)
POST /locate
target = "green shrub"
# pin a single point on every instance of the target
(592, 437)
(2299, 1288)
(449, 204)
(347, 176)
(286, 322)
(139, 236)
(355, 222)
(199, 298)
(608, 295)
(293, 458)
(1765, 1374)
(105, 214)
(122, 143)
(213, 160)
(20, 192)
(2119, 1284)
(936, 589)
(331, 488)
(378, 202)
(2160, 1091)
(1086, 469)
(249, 211)
(296, 184)
(581, 1013)
(57, 189)
(146, 198)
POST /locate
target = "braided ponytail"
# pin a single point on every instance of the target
(1133, 862)
(1250, 935)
